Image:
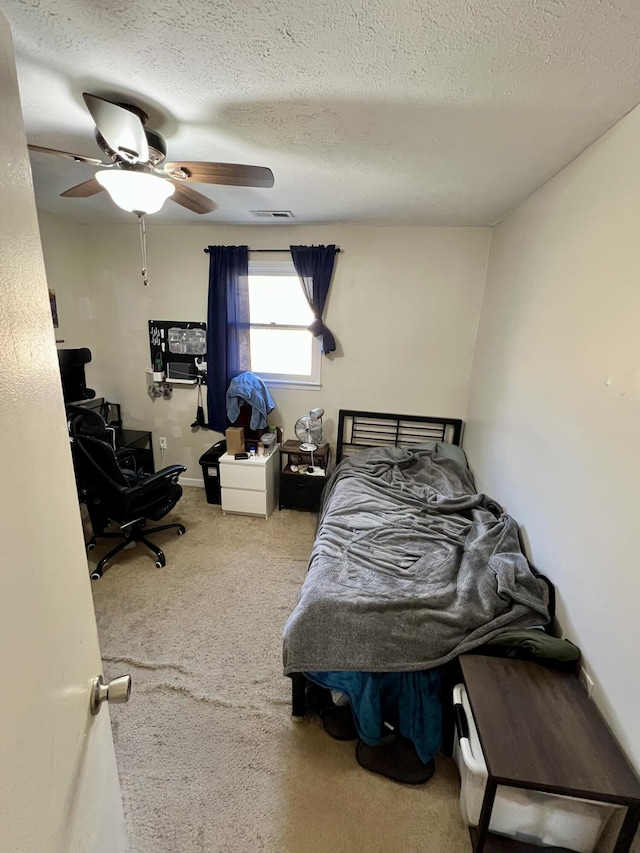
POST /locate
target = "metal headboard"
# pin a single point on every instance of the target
(359, 430)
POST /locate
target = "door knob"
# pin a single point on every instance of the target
(116, 691)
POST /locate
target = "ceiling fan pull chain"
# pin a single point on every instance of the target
(143, 247)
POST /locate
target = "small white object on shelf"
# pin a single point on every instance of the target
(156, 375)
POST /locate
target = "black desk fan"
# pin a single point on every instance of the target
(308, 431)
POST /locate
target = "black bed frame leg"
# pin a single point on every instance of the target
(298, 695)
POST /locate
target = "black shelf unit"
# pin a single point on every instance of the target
(298, 490)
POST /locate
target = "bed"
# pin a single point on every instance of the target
(410, 567)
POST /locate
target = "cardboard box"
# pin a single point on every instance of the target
(235, 440)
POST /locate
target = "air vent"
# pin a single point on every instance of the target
(272, 214)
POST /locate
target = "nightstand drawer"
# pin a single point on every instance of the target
(245, 502)
(300, 491)
(243, 476)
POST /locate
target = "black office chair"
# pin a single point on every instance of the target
(116, 494)
(93, 423)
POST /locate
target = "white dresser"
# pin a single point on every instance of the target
(250, 486)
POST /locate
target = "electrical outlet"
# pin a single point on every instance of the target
(586, 681)
(162, 441)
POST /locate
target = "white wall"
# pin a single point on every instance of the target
(66, 251)
(554, 407)
(64, 244)
(404, 306)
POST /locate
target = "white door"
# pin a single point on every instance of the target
(59, 788)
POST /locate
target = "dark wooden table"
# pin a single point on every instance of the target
(292, 448)
(539, 731)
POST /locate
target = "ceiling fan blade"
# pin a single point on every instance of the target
(189, 198)
(83, 190)
(121, 128)
(78, 157)
(231, 174)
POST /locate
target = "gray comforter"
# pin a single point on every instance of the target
(410, 567)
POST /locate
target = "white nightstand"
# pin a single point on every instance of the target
(249, 486)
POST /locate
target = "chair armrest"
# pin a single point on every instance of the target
(171, 472)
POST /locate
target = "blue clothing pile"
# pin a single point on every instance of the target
(249, 388)
(410, 701)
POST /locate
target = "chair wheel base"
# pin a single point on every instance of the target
(132, 538)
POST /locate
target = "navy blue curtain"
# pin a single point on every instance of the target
(314, 265)
(228, 329)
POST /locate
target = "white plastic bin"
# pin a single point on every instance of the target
(532, 816)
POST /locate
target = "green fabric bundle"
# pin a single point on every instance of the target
(532, 644)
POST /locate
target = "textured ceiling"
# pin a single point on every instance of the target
(418, 112)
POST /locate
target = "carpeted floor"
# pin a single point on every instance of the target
(209, 759)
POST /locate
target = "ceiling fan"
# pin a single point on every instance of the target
(137, 177)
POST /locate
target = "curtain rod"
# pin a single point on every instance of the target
(256, 251)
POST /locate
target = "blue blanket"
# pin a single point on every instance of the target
(249, 388)
(410, 701)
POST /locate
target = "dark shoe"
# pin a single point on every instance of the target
(396, 758)
(338, 722)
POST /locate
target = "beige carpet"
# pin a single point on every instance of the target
(209, 759)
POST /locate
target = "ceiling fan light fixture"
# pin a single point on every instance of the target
(136, 192)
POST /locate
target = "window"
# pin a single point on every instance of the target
(283, 351)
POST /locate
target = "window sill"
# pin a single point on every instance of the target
(294, 386)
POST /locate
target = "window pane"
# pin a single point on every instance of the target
(278, 299)
(285, 351)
